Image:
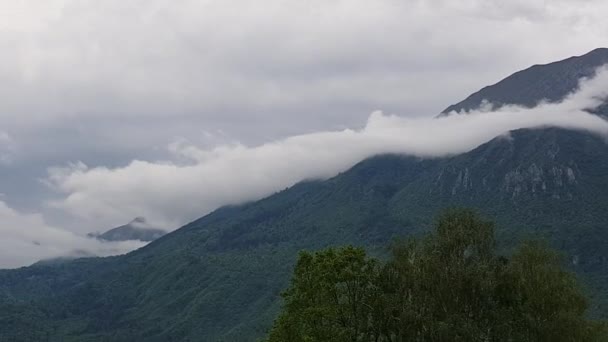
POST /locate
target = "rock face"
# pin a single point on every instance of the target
(531, 164)
(138, 229)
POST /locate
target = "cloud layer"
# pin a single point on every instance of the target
(7, 148)
(116, 79)
(197, 181)
(107, 82)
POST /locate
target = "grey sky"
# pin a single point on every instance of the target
(108, 82)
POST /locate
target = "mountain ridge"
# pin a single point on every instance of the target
(137, 229)
(551, 82)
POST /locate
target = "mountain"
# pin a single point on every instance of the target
(138, 229)
(550, 82)
(219, 277)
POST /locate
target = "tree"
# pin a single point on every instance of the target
(450, 286)
(329, 298)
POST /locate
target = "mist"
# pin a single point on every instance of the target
(27, 238)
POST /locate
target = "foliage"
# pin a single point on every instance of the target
(451, 286)
(330, 296)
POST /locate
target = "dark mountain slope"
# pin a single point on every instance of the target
(221, 275)
(550, 82)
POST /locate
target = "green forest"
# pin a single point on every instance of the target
(451, 285)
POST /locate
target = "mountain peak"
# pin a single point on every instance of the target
(139, 219)
(137, 229)
(599, 51)
(550, 82)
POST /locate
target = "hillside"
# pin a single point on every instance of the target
(219, 277)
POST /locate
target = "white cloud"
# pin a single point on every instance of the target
(27, 238)
(220, 62)
(110, 81)
(171, 193)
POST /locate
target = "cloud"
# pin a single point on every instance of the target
(160, 66)
(107, 82)
(174, 192)
(7, 148)
(26, 238)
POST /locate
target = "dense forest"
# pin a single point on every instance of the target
(449, 286)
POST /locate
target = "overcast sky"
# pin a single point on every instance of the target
(96, 94)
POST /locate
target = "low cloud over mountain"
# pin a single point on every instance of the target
(196, 181)
(26, 238)
(171, 193)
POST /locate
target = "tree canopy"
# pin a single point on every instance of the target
(450, 286)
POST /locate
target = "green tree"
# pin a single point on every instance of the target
(544, 302)
(450, 286)
(329, 299)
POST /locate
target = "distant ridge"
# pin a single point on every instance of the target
(551, 82)
(138, 229)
